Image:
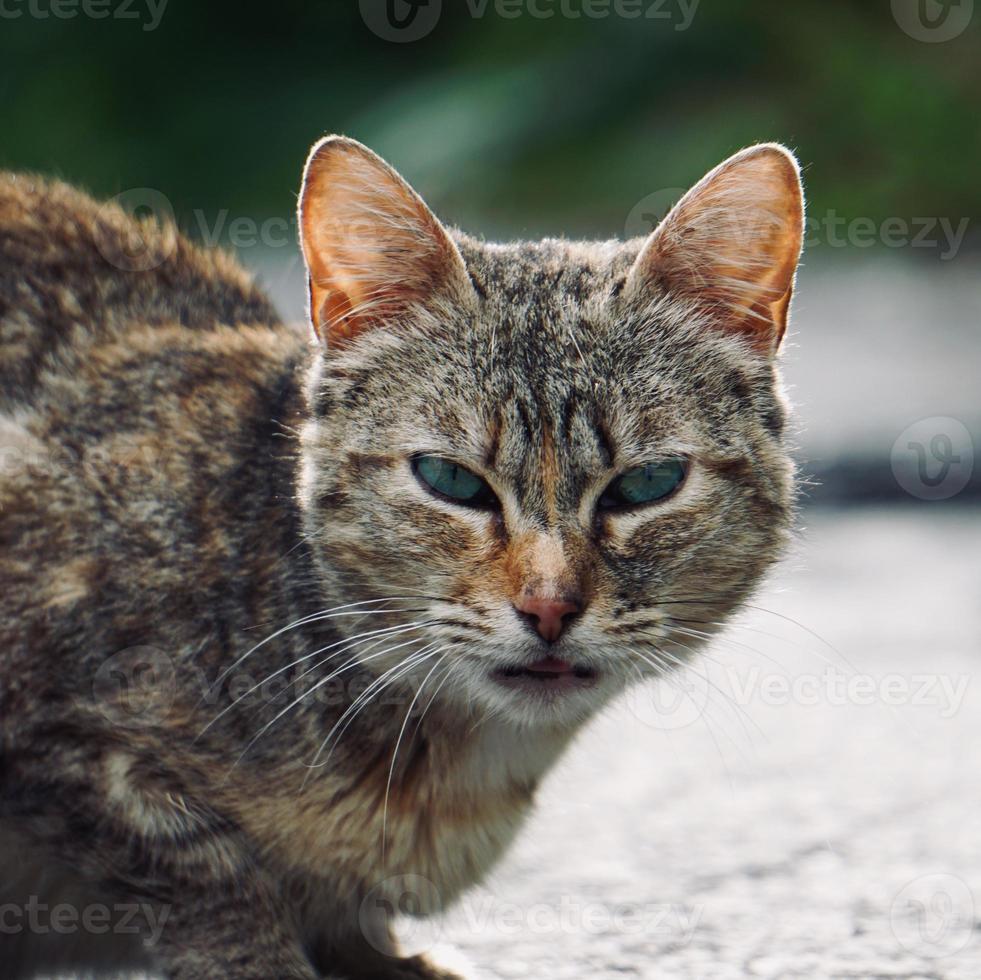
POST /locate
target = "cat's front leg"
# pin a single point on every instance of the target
(235, 933)
(241, 929)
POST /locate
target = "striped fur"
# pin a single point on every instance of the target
(212, 544)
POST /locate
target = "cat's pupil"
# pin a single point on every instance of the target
(452, 480)
(645, 484)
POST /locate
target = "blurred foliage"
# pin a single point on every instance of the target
(507, 126)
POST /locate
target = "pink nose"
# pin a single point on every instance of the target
(548, 616)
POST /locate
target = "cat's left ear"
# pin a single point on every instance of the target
(373, 249)
(732, 245)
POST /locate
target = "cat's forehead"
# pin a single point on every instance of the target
(544, 320)
(550, 274)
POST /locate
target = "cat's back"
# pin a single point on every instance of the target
(141, 412)
(76, 273)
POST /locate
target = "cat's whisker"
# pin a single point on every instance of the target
(741, 712)
(665, 634)
(712, 598)
(662, 671)
(379, 684)
(667, 672)
(435, 694)
(357, 659)
(722, 640)
(789, 619)
(366, 695)
(772, 636)
(313, 580)
(667, 675)
(398, 742)
(346, 643)
(360, 657)
(652, 659)
(324, 614)
(680, 663)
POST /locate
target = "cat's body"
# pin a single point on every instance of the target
(187, 485)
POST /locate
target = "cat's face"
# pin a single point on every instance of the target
(563, 461)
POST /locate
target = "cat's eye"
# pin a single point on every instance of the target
(453, 481)
(644, 484)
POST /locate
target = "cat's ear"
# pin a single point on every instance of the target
(732, 245)
(373, 249)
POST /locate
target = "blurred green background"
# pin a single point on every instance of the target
(508, 125)
(513, 124)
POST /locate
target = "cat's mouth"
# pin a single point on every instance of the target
(547, 674)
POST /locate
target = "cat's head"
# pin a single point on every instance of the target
(565, 458)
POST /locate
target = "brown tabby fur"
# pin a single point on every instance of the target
(185, 482)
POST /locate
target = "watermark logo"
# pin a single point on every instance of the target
(141, 245)
(136, 686)
(401, 21)
(650, 211)
(933, 21)
(401, 907)
(933, 916)
(933, 459)
(672, 702)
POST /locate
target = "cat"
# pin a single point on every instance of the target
(293, 622)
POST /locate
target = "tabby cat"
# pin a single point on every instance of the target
(290, 619)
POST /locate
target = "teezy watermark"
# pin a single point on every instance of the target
(411, 20)
(837, 231)
(828, 229)
(37, 918)
(148, 13)
(682, 698)
(411, 906)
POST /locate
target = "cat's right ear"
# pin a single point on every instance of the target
(373, 250)
(731, 245)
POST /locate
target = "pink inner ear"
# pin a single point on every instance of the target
(335, 313)
(732, 244)
(372, 246)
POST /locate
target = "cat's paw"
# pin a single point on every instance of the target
(451, 967)
(421, 968)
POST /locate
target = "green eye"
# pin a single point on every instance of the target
(450, 480)
(644, 484)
